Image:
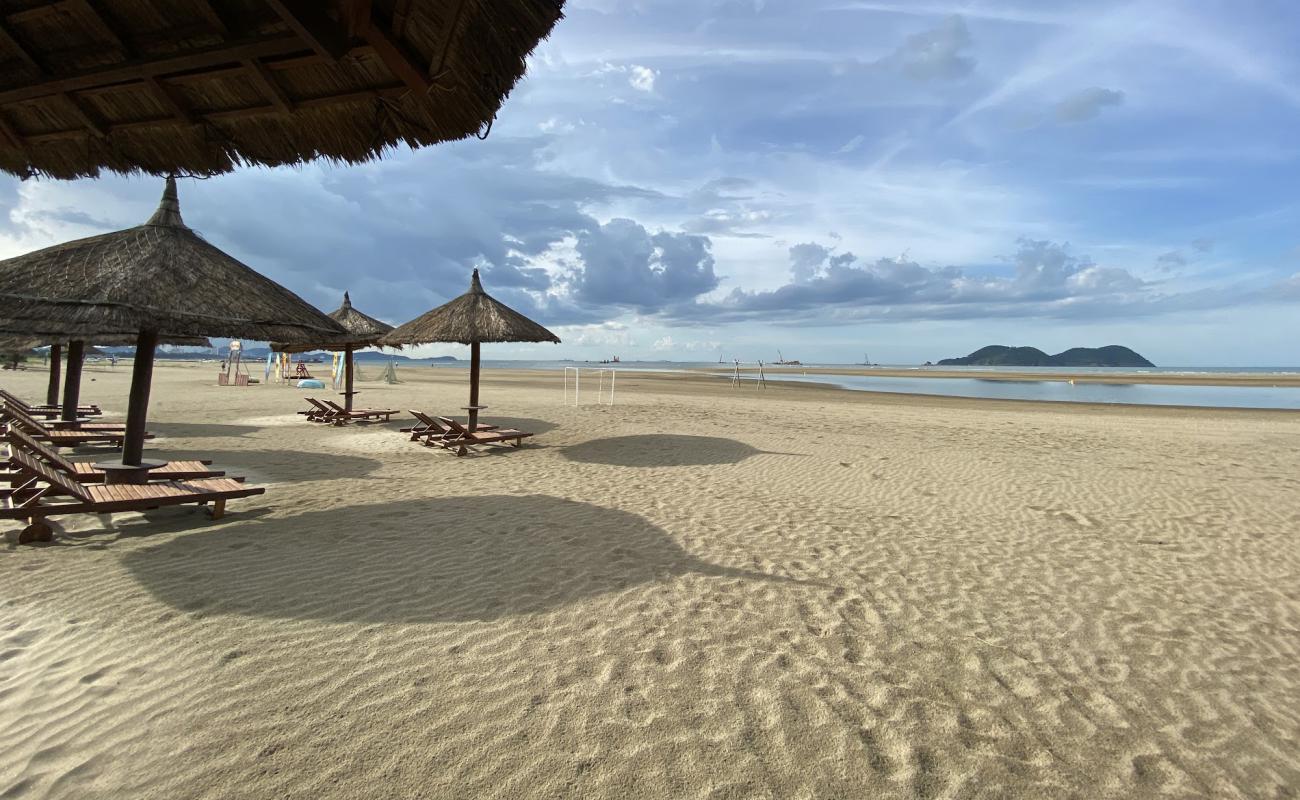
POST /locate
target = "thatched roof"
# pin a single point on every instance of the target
(473, 317)
(160, 275)
(29, 342)
(201, 86)
(363, 330)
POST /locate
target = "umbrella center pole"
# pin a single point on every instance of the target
(72, 383)
(473, 385)
(56, 365)
(347, 379)
(138, 405)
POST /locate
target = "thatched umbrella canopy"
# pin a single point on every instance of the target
(211, 84)
(160, 276)
(473, 318)
(363, 330)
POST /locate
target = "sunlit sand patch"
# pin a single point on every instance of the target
(372, 440)
(277, 421)
(984, 599)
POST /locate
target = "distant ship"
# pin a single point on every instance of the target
(780, 360)
(613, 360)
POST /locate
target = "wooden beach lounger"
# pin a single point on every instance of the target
(429, 425)
(85, 472)
(63, 425)
(44, 410)
(61, 438)
(36, 498)
(343, 416)
(461, 438)
(319, 412)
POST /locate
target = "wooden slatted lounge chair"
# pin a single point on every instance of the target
(77, 424)
(44, 410)
(429, 425)
(36, 498)
(341, 413)
(31, 499)
(319, 412)
(85, 472)
(12, 417)
(462, 438)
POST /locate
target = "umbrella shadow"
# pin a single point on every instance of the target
(526, 424)
(200, 430)
(663, 450)
(455, 559)
(287, 466)
(106, 529)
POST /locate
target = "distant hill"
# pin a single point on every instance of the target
(996, 355)
(375, 355)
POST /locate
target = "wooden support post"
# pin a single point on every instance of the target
(72, 383)
(137, 409)
(347, 378)
(473, 385)
(56, 365)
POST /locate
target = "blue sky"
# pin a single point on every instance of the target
(910, 179)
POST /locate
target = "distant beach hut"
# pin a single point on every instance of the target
(363, 330)
(473, 318)
(156, 277)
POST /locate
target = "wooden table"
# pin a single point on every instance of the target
(117, 472)
(473, 416)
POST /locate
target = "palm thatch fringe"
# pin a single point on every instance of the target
(29, 343)
(213, 84)
(363, 331)
(473, 317)
(159, 276)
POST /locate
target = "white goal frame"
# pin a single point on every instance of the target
(603, 397)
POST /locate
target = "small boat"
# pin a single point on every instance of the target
(780, 360)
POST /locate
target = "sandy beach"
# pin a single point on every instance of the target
(700, 592)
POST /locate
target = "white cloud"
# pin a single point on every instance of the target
(642, 78)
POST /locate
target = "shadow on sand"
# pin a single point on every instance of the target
(529, 425)
(662, 450)
(98, 532)
(199, 430)
(282, 466)
(446, 560)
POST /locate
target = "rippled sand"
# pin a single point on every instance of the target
(700, 592)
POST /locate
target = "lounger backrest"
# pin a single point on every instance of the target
(454, 425)
(49, 475)
(429, 421)
(22, 418)
(22, 441)
(335, 406)
(319, 405)
(10, 399)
